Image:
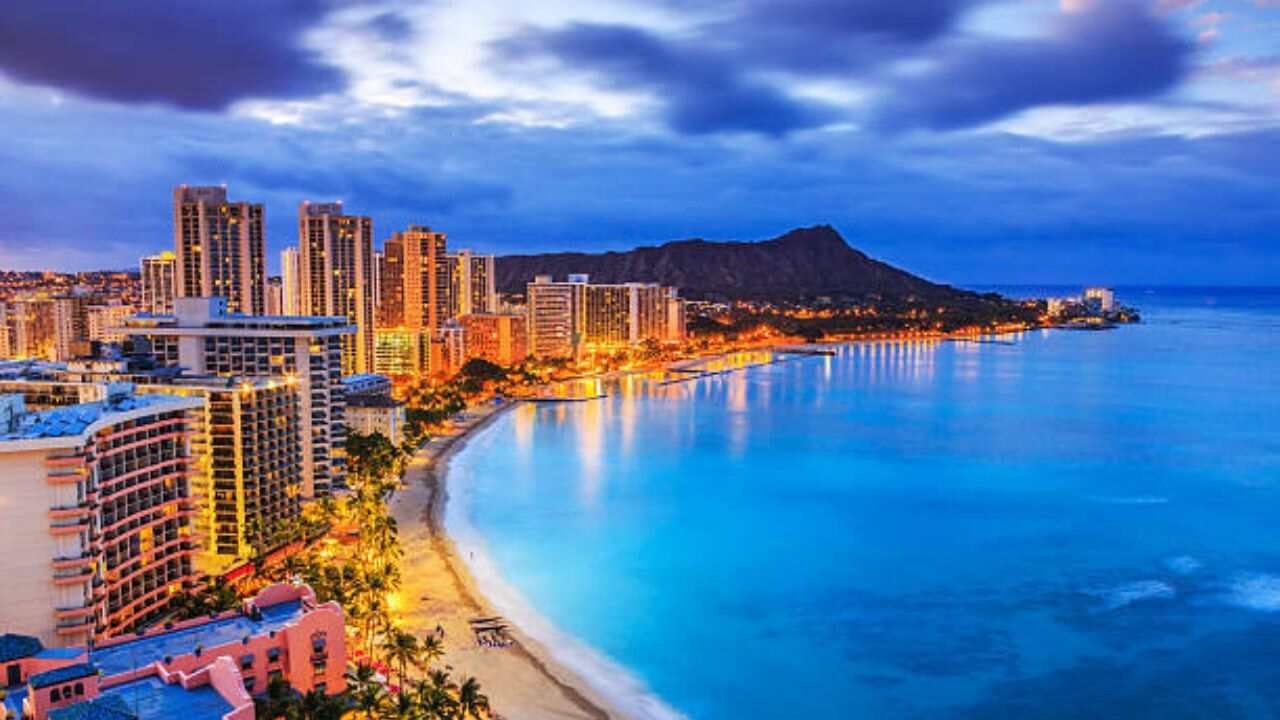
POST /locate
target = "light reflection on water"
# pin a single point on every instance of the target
(1076, 525)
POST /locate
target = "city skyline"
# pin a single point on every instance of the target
(1139, 141)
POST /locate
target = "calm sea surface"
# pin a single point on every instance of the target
(1080, 524)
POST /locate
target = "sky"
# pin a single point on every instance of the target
(970, 141)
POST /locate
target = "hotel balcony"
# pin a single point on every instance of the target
(83, 561)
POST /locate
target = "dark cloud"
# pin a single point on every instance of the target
(710, 79)
(702, 91)
(1116, 50)
(192, 54)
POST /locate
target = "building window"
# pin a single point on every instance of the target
(54, 695)
(79, 688)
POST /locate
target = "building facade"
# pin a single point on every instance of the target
(335, 256)
(290, 282)
(205, 340)
(199, 669)
(500, 338)
(416, 285)
(97, 525)
(247, 479)
(369, 414)
(220, 247)
(401, 353)
(556, 312)
(159, 282)
(472, 284)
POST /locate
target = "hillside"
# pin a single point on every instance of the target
(804, 263)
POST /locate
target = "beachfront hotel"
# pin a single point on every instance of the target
(568, 318)
(335, 264)
(203, 669)
(220, 247)
(500, 338)
(247, 483)
(556, 316)
(96, 506)
(202, 337)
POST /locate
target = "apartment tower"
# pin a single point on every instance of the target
(221, 248)
(335, 258)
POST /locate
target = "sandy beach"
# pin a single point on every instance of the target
(523, 682)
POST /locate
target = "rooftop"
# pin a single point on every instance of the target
(74, 420)
(150, 697)
(61, 675)
(16, 647)
(126, 656)
(372, 401)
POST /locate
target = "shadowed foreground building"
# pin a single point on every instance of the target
(203, 669)
(96, 506)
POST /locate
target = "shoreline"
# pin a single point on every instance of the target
(523, 680)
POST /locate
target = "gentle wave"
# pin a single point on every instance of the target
(1123, 595)
(620, 686)
(1257, 591)
(1136, 500)
(1183, 564)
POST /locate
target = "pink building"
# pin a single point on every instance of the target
(205, 669)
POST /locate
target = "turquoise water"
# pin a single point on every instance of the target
(1081, 524)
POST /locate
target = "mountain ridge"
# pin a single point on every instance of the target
(802, 263)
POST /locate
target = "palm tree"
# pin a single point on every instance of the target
(472, 702)
(315, 705)
(367, 694)
(430, 649)
(435, 700)
(401, 649)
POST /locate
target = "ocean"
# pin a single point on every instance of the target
(1072, 524)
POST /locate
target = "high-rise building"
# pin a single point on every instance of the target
(423, 270)
(500, 338)
(31, 329)
(291, 282)
(379, 268)
(556, 316)
(451, 353)
(97, 514)
(472, 284)
(70, 327)
(159, 282)
(247, 483)
(275, 296)
(336, 262)
(391, 301)
(203, 338)
(622, 315)
(221, 248)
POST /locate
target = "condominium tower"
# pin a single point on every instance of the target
(472, 285)
(291, 282)
(335, 256)
(221, 248)
(159, 282)
(416, 283)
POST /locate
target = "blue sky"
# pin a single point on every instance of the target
(973, 141)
